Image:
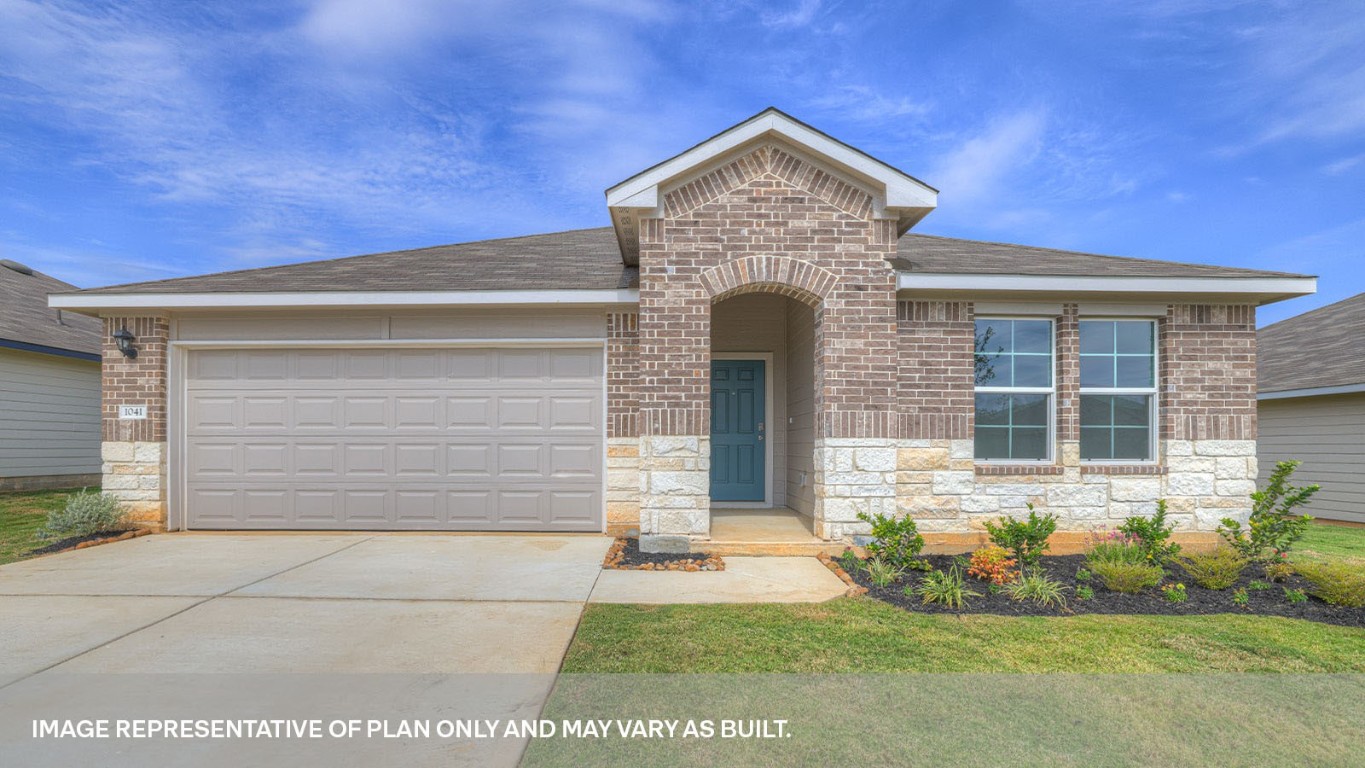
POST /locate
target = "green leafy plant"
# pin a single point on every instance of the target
(1085, 592)
(1217, 568)
(1273, 526)
(1295, 596)
(1175, 593)
(1152, 535)
(1035, 585)
(1336, 583)
(86, 514)
(883, 572)
(992, 563)
(1027, 539)
(1129, 578)
(1257, 585)
(1114, 547)
(850, 561)
(1278, 571)
(1240, 598)
(896, 540)
(947, 588)
(994, 589)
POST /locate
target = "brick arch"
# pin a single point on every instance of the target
(800, 280)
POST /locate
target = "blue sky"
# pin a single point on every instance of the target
(141, 140)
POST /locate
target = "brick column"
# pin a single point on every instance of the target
(623, 423)
(1068, 386)
(134, 451)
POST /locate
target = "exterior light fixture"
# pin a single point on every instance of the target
(125, 338)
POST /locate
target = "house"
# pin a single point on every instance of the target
(49, 386)
(757, 328)
(1311, 402)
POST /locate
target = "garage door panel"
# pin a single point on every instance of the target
(410, 439)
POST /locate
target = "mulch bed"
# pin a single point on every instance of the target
(625, 555)
(1266, 602)
(91, 540)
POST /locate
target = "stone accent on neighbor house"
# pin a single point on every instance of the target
(134, 451)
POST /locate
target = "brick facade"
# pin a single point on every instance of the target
(1208, 372)
(134, 451)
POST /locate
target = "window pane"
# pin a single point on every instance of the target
(1131, 443)
(1135, 337)
(1095, 443)
(993, 410)
(1096, 410)
(1134, 372)
(1029, 443)
(993, 370)
(992, 335)
(1030, 409)
(1032, 371)
(1097, 371)
(1033, 336)
(1131, 410)
(992, 443)
(1097, 337)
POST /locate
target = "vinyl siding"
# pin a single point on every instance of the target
(1328, 435)
(49, 415)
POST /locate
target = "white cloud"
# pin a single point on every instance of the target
(1176, 196)
(864, 104)
(1343, 165)
(974, 171)
(799, 15)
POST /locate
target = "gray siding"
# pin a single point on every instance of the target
(49, 415)
(1328, 435)
(800, 387)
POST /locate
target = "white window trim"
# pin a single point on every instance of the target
(1051, 392)
(1154, 408)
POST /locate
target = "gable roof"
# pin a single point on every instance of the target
(26, 321)
(1319, 349)
(587, 259)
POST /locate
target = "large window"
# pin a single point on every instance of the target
(1014, 389)
(1118, 390)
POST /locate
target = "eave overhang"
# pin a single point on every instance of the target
(1254, 290)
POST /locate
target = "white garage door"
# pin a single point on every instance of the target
(394, 439)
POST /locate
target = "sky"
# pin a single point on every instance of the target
(145, 140)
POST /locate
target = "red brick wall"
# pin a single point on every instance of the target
(769, 203)
(1208, 372)
(936, 369)
(135, 381)
(623, 374)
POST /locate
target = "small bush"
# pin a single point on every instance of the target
(1084, 592)
(1152, 535)
(882, 572)
(1218, 568)
(1129, 578)
(945, 588)
(1240, 598)
(1295, 596)
(1027, 539)
(1336, 583)
(1175, 593)
(993, 564)
(1257, 585)
(1036, 586)
(1115, 547)
(896, 541)
(1278, 571)
(1082, 575)
(850, 561)
(86, 514)
(1273, 527)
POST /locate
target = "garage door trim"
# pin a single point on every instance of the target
(177, 390)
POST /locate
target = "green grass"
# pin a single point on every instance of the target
(22, 515)
(1327, 542)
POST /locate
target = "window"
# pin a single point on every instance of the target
(1014, 390)
(1118, 390)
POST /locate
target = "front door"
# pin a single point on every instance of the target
(737, 431)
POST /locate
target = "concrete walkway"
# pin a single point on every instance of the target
(744, 580)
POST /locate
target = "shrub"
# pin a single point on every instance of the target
(1278, 571)
(1295, 596)
(1084, 592)
(945, 588)
(1175, 593)
(850, 561)
(86, 514)
(992, 564)
(1336, 583)
(1082, 575)
(1129, 578)
(1218, 568)
(1152, 535)
(1257, 585)
(1038, 587)
(1027, 539)
(882, 572)
(1272, 528)
(1240, 598)
(1115, 547)
(895, 540)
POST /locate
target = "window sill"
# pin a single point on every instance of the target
(1122, 469)
(989, 470)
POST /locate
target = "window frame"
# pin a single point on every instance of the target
(1154, 392)
(1050, 392)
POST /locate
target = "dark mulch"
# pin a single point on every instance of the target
(1268, 602)
(71, 541)
(625, 554)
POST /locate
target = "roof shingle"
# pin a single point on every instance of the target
(26, 318)
(1321, 348)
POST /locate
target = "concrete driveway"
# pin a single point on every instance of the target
(302, 626)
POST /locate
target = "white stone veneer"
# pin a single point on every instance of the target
(675, 491)
(135, 474)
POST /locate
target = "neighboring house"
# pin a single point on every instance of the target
(49, 386)
(756, 328)
(1311, 372)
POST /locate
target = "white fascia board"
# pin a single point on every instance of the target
(316, 300)
(1264, 286)
(1343, 389)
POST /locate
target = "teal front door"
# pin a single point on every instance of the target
(737, 431)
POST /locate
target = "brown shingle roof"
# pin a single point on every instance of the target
(1321, 348)
(26, 319)
(589, 259)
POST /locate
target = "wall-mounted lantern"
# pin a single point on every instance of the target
(125, 339)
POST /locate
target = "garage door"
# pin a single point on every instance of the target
(394, 439)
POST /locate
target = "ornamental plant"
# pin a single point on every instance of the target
(993, 564)
(1217, 568)
(1114, 547)
(1273, 526)
(1027, 539)
(1152, 535)
(86, 514)
(881, 572)
(1175, 593)
(1037, 586)
(946, 588)
(1336, 583)
(1129, 578)
(897, 541)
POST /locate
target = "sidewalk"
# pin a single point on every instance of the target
(744, 580)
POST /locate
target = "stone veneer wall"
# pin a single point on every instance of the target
(623, 423)
(134, 452)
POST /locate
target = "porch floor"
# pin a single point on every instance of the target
(778, 531)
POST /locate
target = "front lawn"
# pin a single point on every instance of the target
(1325, 542)
(22, 515)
